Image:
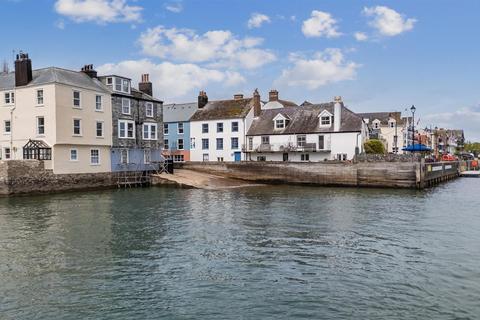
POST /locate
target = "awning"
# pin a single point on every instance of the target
(417, 148)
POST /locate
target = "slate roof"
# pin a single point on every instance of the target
(55, 75)
(142, 96)
(304, 120)
(383, 117)
(223, 109)
(179, 112)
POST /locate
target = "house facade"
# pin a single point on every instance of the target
(137, 136)
(447, 141)
(390, 128)
(313, 132)
(60, 116)
(176, 131)
(218, 128)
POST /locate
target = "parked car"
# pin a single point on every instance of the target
(449, 157)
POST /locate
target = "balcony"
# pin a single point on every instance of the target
(284, 147)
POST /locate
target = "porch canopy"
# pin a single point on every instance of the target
(37, 149)
(417, 148)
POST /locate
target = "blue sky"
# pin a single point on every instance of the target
(378, 55)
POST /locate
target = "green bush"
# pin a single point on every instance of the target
(374, 146)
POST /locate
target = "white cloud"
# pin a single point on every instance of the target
(173, 81)
(388, 22)
(217, 48)
(60, 24)
(321, 24)
(467, 119)
(175, 7)
(257, 19)
(360, 36)
(328, 66)
(101, 11)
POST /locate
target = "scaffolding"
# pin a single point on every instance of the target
(137, 173)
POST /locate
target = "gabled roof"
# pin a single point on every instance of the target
(383, 117)
(304, 120)
(179, 112)
(55, 75)
(223, 109)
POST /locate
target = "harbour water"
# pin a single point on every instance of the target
(256, 253)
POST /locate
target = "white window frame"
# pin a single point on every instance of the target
(103, 129)
(192, 143)
(79, 99)
(126, 123)
(238, 126)
(114, 84)
(149, 127)
(109, 81)
(73, 131)
(9, 153)
(325, 121)
(5, 127)
(11, 97)
(38, 97)
(127, 158)
(38, 125)
(219, 127)
(149, 110)
(183, 144)
(92, 157)
(231, 143)
(206, 126)
(101, 103)
(76, 155)
(178, 128)
(324, 142)
(129, 106)
(147, 160)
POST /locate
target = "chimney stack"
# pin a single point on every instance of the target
(202, 99)
(273, 95)
(145, 85)
(238, 96)
(89, 71)
(23, 70)
(337, 113)
(257, 107)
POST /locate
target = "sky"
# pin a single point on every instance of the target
(377, 55)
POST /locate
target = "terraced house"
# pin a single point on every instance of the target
(137, 137)
(176, 131)
(311, 132)
(60, 116)
(218, 127)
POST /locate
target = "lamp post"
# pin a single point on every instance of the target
(413, 109)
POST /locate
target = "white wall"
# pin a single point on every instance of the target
(196, 154)
(335, 143)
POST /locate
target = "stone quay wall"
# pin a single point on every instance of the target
(30, 177)
(362, 174)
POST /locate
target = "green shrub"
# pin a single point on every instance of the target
(374, 146)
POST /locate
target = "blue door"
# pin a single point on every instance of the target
(238, 156)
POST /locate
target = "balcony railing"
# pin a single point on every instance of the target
(284, 147)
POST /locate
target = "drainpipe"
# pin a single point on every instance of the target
(11, 124)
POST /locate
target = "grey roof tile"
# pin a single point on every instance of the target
(179, 112)
(223, 109)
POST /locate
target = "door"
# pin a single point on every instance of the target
(285, 157)
(237, 156)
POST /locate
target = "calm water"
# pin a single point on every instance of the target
(263, 253)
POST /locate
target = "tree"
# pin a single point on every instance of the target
(472, 147)
(374, 146)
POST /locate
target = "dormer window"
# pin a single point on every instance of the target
(280, 122)
(325, 119)
(121, 85)
(376, 124)
(391, 123)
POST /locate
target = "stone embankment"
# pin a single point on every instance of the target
(30, 176)
(199, 180)
(363, 174)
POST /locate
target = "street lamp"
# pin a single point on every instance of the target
(413, 109)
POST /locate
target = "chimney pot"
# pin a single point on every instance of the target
(202, 99)
(273, 95)
(23, 70)
(89, 71)
(145, 85)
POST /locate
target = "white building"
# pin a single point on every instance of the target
(390, 128)
(63, 117)
(313, 132)
(217, 128)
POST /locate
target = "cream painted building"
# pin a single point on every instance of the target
(60, 116)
